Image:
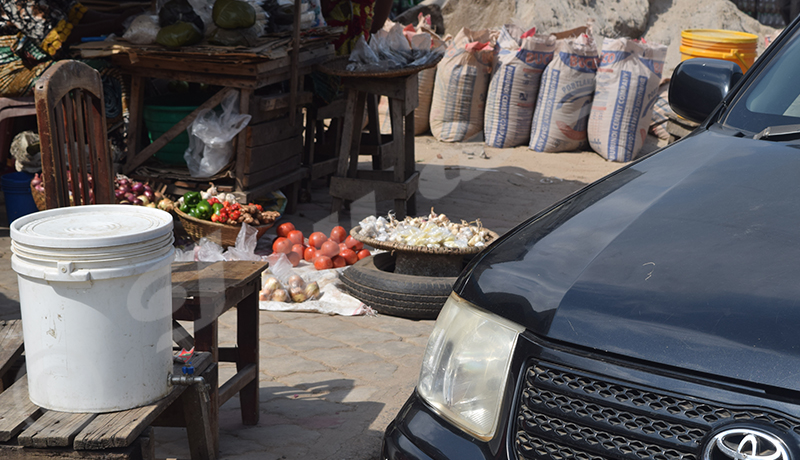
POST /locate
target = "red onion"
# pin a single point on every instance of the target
(137, 188)
(130, 197)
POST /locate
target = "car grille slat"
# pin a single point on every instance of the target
(563, 414)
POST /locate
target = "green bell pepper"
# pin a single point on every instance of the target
(216, 207)
(204, 209)
(192, 198)
(185, 208)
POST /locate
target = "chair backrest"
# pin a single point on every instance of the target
(76, 162)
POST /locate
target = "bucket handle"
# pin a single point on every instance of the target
(736, 54)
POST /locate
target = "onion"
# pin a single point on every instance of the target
(124, 183)
(125, 189)
(147, 188)
(130, 197)
(137, 188)
(149, 194)
(137, 202)
(119, 194)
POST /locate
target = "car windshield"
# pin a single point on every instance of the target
(773, 98)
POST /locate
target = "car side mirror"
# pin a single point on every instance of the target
(698, 85)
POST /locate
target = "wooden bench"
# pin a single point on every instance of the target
(28, 432)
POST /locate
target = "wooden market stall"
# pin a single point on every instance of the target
(268, 152)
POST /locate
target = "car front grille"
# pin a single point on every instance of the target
(565, 415)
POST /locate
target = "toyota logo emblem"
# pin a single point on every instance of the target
(743, 443)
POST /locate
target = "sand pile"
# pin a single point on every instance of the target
(658, 21)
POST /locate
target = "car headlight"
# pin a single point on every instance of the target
(466, 364)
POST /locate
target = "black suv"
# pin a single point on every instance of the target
(655, 314)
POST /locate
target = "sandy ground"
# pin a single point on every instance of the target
(501, 187)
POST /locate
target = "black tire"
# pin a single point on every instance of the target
(372, 281)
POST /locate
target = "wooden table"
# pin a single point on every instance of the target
(400, 184)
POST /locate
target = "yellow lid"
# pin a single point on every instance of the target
(719, 36)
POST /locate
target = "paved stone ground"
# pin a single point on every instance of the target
(330, 384)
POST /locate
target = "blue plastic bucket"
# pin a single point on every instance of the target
(17, 191)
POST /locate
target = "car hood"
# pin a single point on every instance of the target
(689, 258)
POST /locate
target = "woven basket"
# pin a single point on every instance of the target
(38, 198)
(222, 234)
(393, 246)
(338, 66)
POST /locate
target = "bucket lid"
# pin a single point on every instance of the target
(719, 35)
(91, 226)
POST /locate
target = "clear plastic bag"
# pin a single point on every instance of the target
(143, 30)
(210, 138)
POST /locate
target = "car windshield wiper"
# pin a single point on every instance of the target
(779, 132)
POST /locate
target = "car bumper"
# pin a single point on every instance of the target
(418, 433)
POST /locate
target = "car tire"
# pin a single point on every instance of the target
(372, 281)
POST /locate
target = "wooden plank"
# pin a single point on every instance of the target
(246, 375)
(10, 344)
(16, 410)
(140, 157)
(241, 138)
(9, 452)
(352, 189)
(120, 429)
(55, 429)
(272, 131)
(196, 412)
(181, 336)
(259, 177)
(269, 155)
(194, 65)
(277, 101)
(264, 189)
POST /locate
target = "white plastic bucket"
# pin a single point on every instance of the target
(96, 300)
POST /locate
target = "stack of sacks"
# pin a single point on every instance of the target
(565, 97)
(627, 87)
(514, 87)
(462, 80)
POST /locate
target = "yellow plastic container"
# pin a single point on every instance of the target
(729, 45)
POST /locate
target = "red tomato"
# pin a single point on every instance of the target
(363, 253)
(316, 239)
(309, 253)
(339, 262)
(342, 246)
(350, 241)
(349, 256)
(338, 234)
(329, 248)
(294, 258)
(282, 245)
(284, 229)
(323, 263)
(296, 237)
(299, 248)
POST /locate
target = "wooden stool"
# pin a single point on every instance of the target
(400, 185)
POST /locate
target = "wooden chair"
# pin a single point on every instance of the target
(72, 130)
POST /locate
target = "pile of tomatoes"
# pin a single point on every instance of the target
(325, 251)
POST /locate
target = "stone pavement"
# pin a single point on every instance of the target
(330, 385)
